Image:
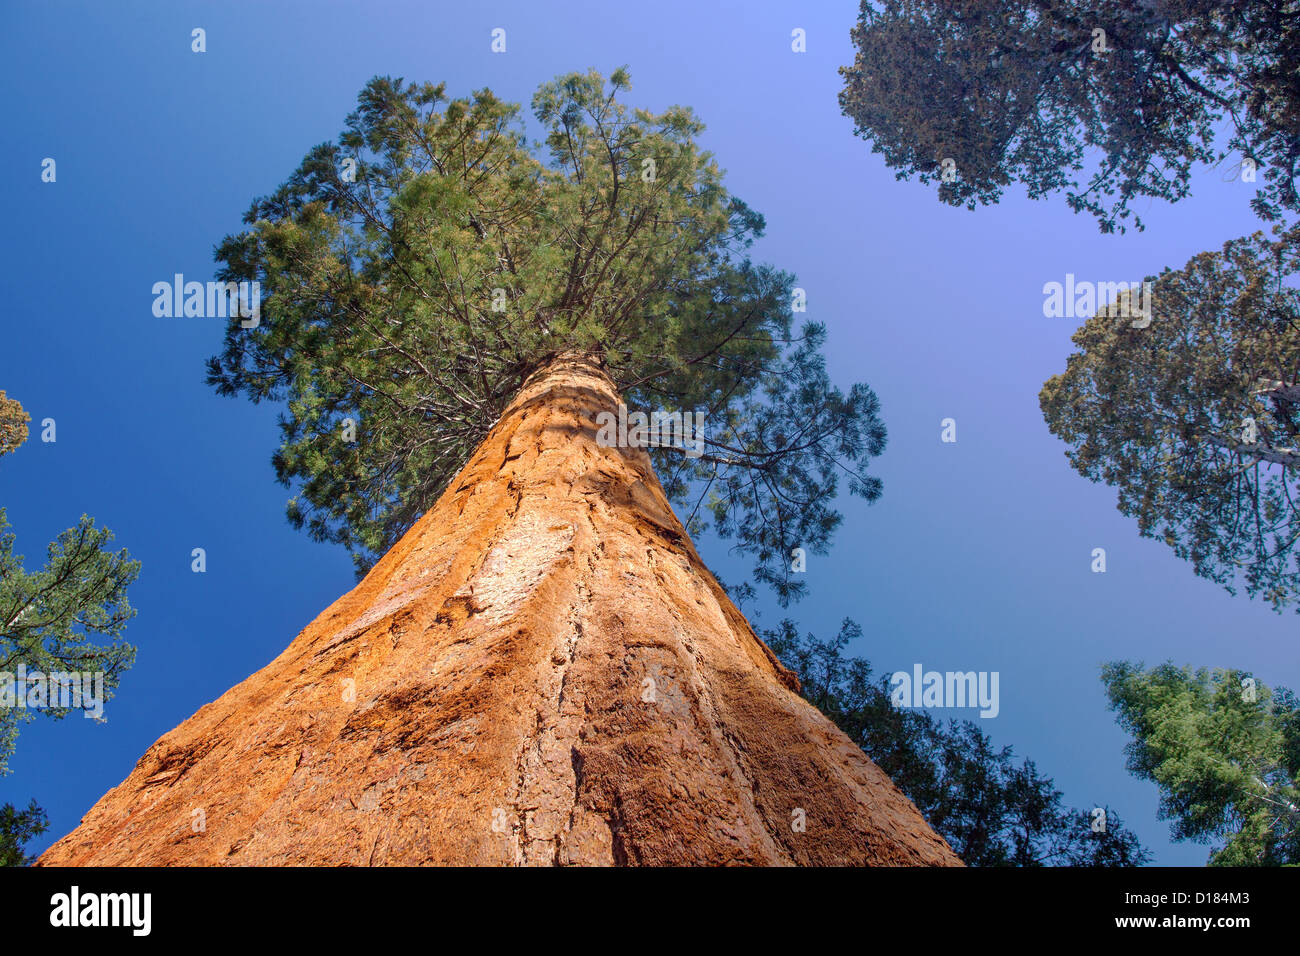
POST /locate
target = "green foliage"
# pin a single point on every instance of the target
(416, 297)
(16, 828)
(991, 810)
(1020, 91)
(1193, 418)
(1225, 756)
(48, 617)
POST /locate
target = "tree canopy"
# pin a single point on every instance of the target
(1193, 414)
(417, 270)
(992, 810)
(17, 827)
(1224, 751)
(1108, 102)
(51, 619)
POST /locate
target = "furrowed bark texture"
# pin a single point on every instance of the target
(542, 671)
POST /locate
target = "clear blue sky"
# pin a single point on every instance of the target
(976, 558)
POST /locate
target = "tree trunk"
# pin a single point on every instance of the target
(542, 671)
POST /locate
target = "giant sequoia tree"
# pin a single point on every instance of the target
(1023, 91)
(539, 668)
(417, 271)
(1194, 415)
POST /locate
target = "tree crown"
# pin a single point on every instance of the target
(1224, 751)
(416, 271)
(1193, 415)
(1022, 91)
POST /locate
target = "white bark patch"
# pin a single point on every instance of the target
(518, 562)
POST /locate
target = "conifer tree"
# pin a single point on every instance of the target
(49, 618)
(1225, 752)
(49, 621)
(17, 827)
(1026, 91)
(1192, 412)
(415, 272)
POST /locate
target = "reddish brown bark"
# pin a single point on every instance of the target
(500, 656)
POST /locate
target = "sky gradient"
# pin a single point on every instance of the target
(977, 556)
